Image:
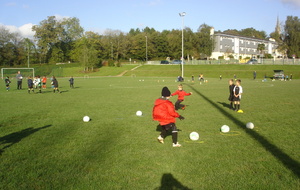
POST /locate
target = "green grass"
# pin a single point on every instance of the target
(45, 144)
(214, 71)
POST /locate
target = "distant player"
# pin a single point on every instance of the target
(193, 78)
(19, 80)
(7, 82)
(220, 77)
(35, 82)
(237, 92)
(201, 77)
(231, 96)
(163, 111)
(30, 85)
(234, 76)
(181, 93)
(39, 83)
(44, 82)
(71, 80)
(55, 84)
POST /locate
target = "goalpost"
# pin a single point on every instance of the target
(12, 72)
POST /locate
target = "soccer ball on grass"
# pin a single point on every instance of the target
(86, 119)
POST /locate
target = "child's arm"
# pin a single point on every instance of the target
(188, 94)
(175, 93)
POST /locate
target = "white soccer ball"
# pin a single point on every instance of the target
(139, 113)
(86, 118)
(194, 136)
(250, 125)
(225, 129)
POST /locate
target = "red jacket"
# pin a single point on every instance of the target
(181, 94)
(164, 112)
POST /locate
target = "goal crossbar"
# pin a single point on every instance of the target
(2, 70)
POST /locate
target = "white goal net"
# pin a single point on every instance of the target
(12, 72)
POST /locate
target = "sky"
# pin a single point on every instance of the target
(101, 15)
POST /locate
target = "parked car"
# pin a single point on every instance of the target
(164, 62)
(177, 62)
(252, 61)
(278, 75)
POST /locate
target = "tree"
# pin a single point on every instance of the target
(292, 36)
(85, 52)
(261, 48)
(11, 48)
(205, 41)
(251, 32)
(55, 38)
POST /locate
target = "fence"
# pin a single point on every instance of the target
(235, 61)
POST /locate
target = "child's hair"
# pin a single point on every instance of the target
(238, 80)
(180, 86)
(7, 76)
(29, 77)
(231, 80)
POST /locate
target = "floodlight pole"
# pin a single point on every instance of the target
(182, 59)
(146, 48)
(28, 56)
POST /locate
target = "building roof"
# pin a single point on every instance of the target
(244, 37)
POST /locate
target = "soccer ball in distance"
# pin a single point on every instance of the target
(86, 118)
(139, 113)
(194, 136)
(225, 129)
(250, 125)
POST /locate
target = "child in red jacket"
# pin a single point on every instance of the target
(163, 111)
(181, 93)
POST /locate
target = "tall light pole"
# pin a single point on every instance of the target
(28, 54)
(146, 48)
(182, 59)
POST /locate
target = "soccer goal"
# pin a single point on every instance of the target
(12, 72)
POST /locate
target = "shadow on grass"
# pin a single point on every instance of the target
(225, 105)
(168, 182)
(284, 158)
(16, 137)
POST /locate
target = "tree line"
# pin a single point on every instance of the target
(58, 41)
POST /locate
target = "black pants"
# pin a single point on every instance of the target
(166, 128)
(178, 104)
(19, 85)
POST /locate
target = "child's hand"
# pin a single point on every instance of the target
(191, 93)
(181, 117)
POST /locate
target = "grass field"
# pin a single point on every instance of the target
(45, 144)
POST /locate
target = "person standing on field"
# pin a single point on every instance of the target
(237, 92)
(7, 82)
(254, 75)
(164, 112)
(55, 84)
(30, 85)
(71, 80)
(231, 95)
(19, 80)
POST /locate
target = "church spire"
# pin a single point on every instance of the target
(277, 28)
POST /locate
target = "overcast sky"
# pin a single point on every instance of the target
(99, 15)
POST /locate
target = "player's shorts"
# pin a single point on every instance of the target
(44, 83)
(230, 98)
(236, 99)
(7, 85)
(170, 126)
(31, 86)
